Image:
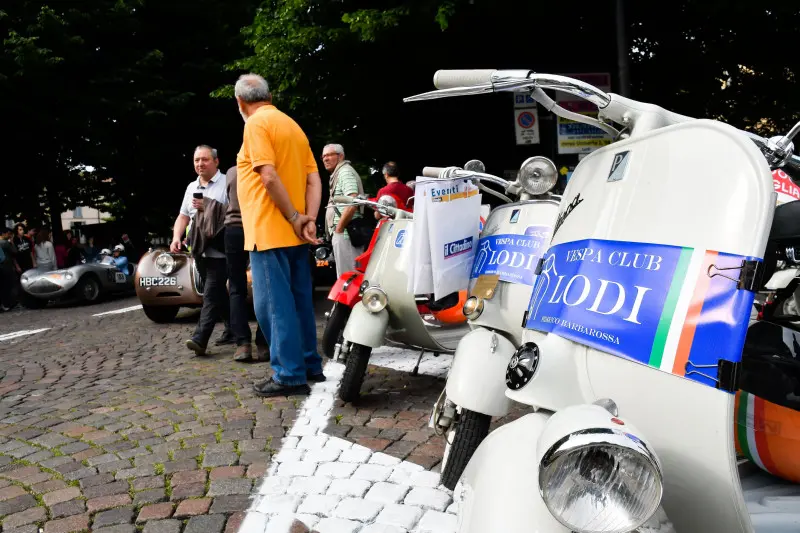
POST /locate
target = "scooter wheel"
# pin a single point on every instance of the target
(334, 328)
(470, 430)
(354, 371)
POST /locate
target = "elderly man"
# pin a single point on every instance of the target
(204, 203)
(344, 181)
(279, 193)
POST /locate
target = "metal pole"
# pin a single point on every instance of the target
(622, 51)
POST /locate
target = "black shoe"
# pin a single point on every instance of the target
(225, 338)
(316, 378)
(269, 388)
(262, 353)
(196, 347)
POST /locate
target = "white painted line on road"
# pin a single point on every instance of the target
(14, 335)
(120, 311)
(333, 485)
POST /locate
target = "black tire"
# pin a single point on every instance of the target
(161, 314)
(89, 289)
(31, 302)
(354, 371)
(470, 431)
(334, 328)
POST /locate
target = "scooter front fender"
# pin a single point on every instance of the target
(365, 328)
(477, 378)
(500, 483)
(346, 288)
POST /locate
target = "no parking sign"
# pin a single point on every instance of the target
(526, 119)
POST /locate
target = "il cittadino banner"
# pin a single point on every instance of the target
(676, 309)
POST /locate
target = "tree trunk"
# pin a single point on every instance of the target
(55, 207)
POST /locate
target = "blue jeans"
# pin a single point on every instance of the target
(284, 308)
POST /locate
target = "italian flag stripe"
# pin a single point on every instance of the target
(670, 305)
(693, 316)
(759, 421)
(741, 425)
(750, 425)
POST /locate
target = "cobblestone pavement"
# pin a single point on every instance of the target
(108, 425)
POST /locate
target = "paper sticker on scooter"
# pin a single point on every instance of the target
(656, 304)
(512, 257)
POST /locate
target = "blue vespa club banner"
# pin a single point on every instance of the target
(513, 257)
(677, 309)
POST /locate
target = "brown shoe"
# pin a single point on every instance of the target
(243, 353)
(262, 352)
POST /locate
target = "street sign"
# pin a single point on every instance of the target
(575, 137)
(526, 119)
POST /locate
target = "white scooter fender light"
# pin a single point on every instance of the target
(375, 299)
(596, 473)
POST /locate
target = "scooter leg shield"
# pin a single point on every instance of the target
(500, 484)
(365, 328)
(477, 378)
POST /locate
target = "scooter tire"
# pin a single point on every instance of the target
(334, 328)
(354, 371)
(470, 430)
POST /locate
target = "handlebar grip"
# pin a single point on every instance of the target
(448, 79)
(792, 165)
(432, 172)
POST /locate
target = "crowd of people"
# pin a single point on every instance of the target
(23, 249)
(263, 211)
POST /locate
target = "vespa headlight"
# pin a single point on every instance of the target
(473, 307)
(375, 299)
(537, 175)
(321, 253)
(600, 477)
(166, 264)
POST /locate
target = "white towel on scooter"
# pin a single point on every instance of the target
(446, 228)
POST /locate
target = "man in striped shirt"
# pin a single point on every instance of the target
(344, 181)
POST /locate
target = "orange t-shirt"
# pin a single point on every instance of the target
(271, 138)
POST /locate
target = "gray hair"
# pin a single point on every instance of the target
(213, 151)
(252, 88)
(338, 148)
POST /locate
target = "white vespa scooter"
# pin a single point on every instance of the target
(387, 311)
(645, 293)
(512, 241)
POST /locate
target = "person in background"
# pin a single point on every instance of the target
(344, 181)
(212, 190)
(279, 192)
(90, 252)
(26, 259)
(394, 186)
(74, 253)
(130, 249)
(8, 268)
(45, 251)
(237, 275)
(120, 259)
(60, 246)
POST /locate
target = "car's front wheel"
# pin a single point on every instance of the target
(161, 314)
(88, 289)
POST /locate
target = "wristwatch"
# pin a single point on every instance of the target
(291, 218)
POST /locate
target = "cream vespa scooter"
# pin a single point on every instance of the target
(645, 295)
(387, 311)
(511, 243)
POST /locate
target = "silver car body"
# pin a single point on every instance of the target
(56, 284)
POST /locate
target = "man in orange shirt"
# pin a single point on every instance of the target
(279, 191)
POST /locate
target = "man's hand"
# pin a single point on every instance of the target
(175, 247)
(19, 270)
(310, 232)
(197, 204)
(299, 226)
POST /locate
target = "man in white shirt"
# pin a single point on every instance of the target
(207, 193)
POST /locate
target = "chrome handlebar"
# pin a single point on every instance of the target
(777, 151)
(348, 201)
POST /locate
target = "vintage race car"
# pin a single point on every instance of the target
(89, 282)
(167, 281)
